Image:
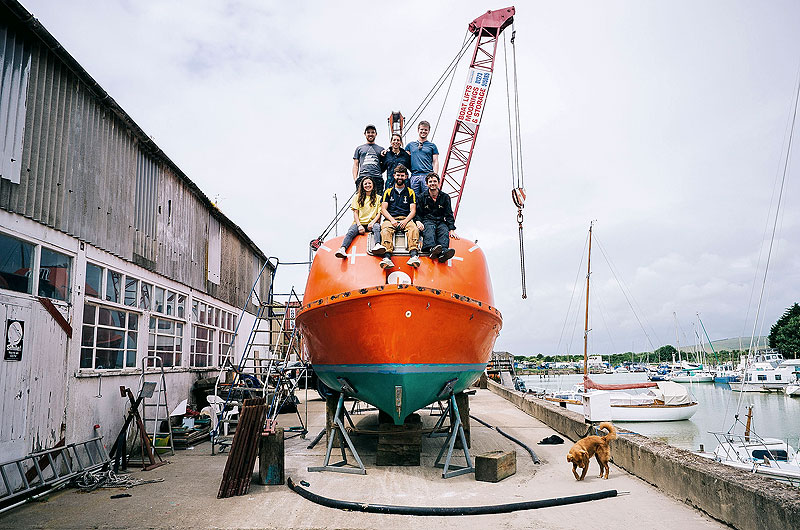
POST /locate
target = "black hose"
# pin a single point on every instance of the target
(446, 510)
(316, 439)
(530, 451)
(518, 442)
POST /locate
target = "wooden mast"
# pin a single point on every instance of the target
(586, 321)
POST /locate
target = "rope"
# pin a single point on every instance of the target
(439, 82)
(315, 243)
(92, 480)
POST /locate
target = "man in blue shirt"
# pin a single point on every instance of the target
(367, 160)
(424, 158)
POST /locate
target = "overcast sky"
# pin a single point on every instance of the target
(666, 122)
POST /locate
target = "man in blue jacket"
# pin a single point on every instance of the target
(424, 158)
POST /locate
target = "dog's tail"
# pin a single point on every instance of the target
(612, 432)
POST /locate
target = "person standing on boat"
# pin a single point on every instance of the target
(399, 208)
(436, 220)
(424, 158)
(366, 208)
(367, 160)
(393, 157)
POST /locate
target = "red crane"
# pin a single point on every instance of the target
(487, 29)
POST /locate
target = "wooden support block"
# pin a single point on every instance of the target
(494, 466)
(270, 458)
(400, 445)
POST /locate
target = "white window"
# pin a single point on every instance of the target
(166, 341)
(108, 338)
(202, 347)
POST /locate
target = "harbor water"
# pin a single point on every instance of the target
(775, 415)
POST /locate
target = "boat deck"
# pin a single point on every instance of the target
(187, 497)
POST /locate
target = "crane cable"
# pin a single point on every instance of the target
(515, 148)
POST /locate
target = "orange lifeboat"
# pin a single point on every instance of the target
(397, 337)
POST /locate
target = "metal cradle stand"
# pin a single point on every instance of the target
(338, 427)
(456, 430)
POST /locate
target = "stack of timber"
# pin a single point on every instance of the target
(399, 445)
(242, 458)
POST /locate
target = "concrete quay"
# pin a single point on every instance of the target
(187, 497)
(743, 500)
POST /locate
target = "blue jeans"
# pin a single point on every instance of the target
(435, 233)
(352, 232)
(417, 183)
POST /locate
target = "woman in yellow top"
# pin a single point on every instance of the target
(366, 209)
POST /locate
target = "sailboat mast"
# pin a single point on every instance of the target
(586, 321)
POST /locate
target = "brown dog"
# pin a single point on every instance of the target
(597, 446)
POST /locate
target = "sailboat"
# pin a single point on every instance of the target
(664, 400)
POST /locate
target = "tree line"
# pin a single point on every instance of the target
(784, 336)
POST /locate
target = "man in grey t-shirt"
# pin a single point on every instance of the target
(367, 160)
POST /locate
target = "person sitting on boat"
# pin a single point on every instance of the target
(366, 208)
(393, 157)
(399, 208)
(436, 221)
(367, 160)
(424, 158)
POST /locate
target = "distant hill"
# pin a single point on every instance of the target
(729, 344)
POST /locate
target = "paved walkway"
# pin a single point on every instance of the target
(187, 497)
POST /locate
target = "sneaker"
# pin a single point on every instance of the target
(341, 253)
(378, 250)
(436, 251)
(447, 254)
(386, 263)
(414, 261)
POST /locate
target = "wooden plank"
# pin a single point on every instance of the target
(494, 466)
(271, 458)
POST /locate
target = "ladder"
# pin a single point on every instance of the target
(155, 411)
(40, 472)
(271, 365)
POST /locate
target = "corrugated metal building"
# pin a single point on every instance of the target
(98, 224)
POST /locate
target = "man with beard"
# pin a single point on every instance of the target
(398, 209)
(367, 160)
(435, 217)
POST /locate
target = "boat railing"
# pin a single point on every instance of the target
(757, 451)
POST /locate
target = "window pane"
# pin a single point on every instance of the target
(15, 266)
(158, 300)
(133, 321)
(88, 314)
(144, 299)
(86, 357)
(131, 286)
(87, 336)
(179, 329)
(109, 338)
(109, 358)
(131, 344)
(181, 306)
(113, 286)
(54, 274)
(195, 311)
(170, 302)
(94, 280)
(202, 313)
(152, 322)
(110, 317)
(166, 326)
(131, 359)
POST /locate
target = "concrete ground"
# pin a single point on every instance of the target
(188, 496)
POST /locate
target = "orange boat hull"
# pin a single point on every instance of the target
(395, 345)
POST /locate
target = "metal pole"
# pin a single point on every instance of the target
(336, 212)
(586, 321)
